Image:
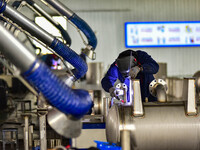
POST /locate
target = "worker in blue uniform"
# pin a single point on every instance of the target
(131, 65)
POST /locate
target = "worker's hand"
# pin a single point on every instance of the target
(113, 92)
(134, 71)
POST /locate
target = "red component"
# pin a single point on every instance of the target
(68, 146)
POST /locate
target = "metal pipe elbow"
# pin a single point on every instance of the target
(158, 88)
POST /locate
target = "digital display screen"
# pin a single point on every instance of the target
(162, 34)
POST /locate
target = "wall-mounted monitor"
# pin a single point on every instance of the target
(162, 34)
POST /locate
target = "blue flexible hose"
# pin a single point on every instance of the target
(70, 56)
(64, 51)
(64, 34)
(85, 28)
(70, 101)
(2, 6)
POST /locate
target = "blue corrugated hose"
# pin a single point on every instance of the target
(85, 28)
(70, 101)
(64, 51)
(70, 56)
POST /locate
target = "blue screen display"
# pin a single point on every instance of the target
(162, 34)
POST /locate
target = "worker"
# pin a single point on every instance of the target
(131, 65)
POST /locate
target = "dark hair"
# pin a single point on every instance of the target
(128, 52)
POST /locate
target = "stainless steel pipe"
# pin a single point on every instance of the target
(43, 136)
(63, 10)
(15, 51)
(28, 25)
(38, 9)
(43, 13)
(158, 88)
(164, 126)
(125, 138)
(161, 93)
(26, 133)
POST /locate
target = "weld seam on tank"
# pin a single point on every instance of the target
(70, 101)
(70, 56)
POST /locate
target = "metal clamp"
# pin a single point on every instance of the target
(189, 93)
(89, 53)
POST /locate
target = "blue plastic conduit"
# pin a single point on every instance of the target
(70, 101)
(70, 56)
(85, 28)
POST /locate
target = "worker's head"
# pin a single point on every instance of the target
(125, 61)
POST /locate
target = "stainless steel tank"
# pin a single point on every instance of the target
(164, 126)
(94, 73)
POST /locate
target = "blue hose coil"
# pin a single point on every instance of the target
(70, 56)
(70, 101)
(85, 28)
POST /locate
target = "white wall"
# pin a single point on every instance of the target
(107, 17)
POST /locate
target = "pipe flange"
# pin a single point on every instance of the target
(121, 86)
(154, 84)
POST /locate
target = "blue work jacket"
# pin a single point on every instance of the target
(149, 66)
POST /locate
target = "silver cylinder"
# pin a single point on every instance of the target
(63, 124)
(94, 73)
(105, 107)
(30, 137)
(125, 138)
(28, 25)
(197, 81)
(26, 140)
(15, 51)
(62, 9)
(161, 93)
(164, 126)
(45, 14)
(43, 137)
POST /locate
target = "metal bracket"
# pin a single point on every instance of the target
(137, 101)
(89, 53)
(189, 93)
